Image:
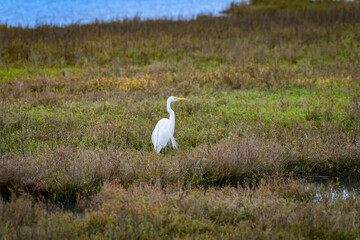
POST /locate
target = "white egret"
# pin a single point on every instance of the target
(164, 129)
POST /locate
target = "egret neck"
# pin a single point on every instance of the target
(172, 116)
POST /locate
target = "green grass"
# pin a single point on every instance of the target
(111, 123)
(273, 94)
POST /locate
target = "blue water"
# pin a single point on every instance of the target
(63, 12)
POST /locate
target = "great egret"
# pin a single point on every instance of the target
(164, 129)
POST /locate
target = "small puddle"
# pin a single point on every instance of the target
(338, 188)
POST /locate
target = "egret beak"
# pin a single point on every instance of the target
(181, 99)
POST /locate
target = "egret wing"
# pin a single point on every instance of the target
(161, 135)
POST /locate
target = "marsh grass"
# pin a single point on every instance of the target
(275, 209)
(272, 90)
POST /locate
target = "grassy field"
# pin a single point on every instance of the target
(274, 97)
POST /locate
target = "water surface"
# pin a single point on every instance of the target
(337, 188)
(64, 12)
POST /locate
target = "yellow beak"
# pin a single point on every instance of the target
(181, 99)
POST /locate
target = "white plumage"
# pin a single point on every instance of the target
(163, 133)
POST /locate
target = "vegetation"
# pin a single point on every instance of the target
(275, 210)
(274, 95)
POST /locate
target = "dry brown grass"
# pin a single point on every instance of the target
(64, 173)
(275, 209)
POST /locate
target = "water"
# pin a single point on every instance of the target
(63, 12)
(337, 188)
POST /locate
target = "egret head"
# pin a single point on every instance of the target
(174, 99)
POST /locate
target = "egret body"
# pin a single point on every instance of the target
(164, 129)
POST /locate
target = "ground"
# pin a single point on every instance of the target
(274, 97)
